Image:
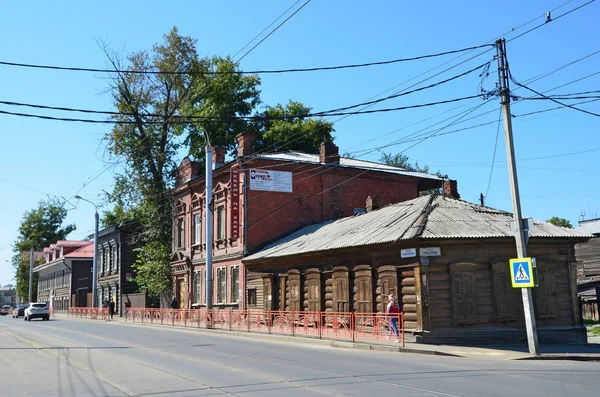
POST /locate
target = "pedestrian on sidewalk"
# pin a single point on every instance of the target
(127, 304)
(392, 312)
(111, 308)
(174, 304)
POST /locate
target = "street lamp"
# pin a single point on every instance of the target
(94, 268)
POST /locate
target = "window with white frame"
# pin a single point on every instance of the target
(115, 257)
(197, 228)
(180, 233)
(221, 285)
(198, 287)
(220, 222)
(235, 284)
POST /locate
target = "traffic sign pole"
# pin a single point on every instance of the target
(530, 325)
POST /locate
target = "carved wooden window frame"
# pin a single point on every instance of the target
(506, 298)
(339, 277)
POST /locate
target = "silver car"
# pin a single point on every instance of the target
(37, 310)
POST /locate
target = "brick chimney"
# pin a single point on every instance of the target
(218, 157)
(372, 203)
(329, 153)
(450, 188)
(187, 170)
(245, 144)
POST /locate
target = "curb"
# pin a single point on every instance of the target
(559, 357)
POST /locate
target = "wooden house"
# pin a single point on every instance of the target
(447, 260)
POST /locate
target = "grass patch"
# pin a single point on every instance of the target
(589, 322)
(595, 331)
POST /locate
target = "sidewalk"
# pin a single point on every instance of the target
(589, 352)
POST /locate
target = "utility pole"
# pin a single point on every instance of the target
(31, 274)
(532, 339)
(209, 227)
(481, 199)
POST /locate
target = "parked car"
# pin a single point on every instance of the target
(37, 310)
(4, 310)
(19, 311)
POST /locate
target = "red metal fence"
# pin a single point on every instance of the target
(322, 325)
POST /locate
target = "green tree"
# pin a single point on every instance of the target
(562, 222)
(402, 161)
(156, 125)
(285, 128)
(39, 228)
(220, 99)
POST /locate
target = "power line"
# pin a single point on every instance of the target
(273, 31)
(265, 29)
(550, 98)
(369, 103)
(275, 71)
(494, 155)
(550, 20)
(188, 119)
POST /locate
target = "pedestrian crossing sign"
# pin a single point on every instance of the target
(521, 273)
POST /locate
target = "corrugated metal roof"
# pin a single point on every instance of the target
(424, 217)
(590, 227)
(344, 162)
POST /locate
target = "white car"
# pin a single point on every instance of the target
(37, 310)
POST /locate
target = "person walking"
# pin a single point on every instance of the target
(392, 312)
(127, 304)
(111, 308)
(174, 304)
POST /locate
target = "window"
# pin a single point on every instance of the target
(115, 258)
(198, 286)
(222, 286)
(235, 284)
(180, 233)
(197, 229)
(220, 223)
(252, 297)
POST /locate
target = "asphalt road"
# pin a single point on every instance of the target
(95, 358)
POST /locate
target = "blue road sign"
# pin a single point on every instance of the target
(521, 273)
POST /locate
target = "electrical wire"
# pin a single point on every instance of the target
(275, 71)
(186, 119)
(494, 155)
(552, 19)
(273, 31)
(436, 84)
(550, 98)
(265, 29)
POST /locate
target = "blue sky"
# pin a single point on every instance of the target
(556, 150)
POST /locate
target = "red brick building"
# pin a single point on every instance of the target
(284, 192)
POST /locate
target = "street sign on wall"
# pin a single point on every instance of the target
(521, 273)
(271, 181)
(430, 251)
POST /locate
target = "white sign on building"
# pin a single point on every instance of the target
(430, 251)
(271, 181)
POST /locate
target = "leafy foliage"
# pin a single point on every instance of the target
(39, 228)
(562, 222)
(402, 161)
(168, 114)
(282, 128)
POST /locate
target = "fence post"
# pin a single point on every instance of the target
(353, 326)
(320, 323)
(293, 323)
(402, 318)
